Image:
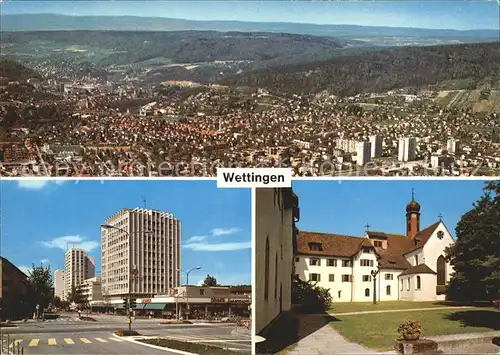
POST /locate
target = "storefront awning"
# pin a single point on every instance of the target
(155, 306)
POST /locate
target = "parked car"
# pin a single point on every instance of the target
(50, 315)
(229, 319)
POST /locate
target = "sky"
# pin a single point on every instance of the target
(40, 219)
(346, 207)
(447, 14)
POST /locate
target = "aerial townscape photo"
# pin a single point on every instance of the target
(179, 88)
(125, 267)
(369, 267)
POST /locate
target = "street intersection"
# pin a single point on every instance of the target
(71, 336)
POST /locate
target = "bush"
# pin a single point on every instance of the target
(313, 298)
(126, 333)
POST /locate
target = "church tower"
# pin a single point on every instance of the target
(412, 217)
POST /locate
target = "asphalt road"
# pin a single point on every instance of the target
(68, 336)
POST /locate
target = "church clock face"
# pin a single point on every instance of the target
(440, 234)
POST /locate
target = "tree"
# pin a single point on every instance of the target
(475, 255)
(76, 297)
(313, 298)
(39, 288)
(210, 281)
(56, 302)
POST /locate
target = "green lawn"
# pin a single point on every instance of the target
(379, 331)
(343, 307)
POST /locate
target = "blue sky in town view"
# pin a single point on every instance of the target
(448, 14)
(346, 207)
(41, 218)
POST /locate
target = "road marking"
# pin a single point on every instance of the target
(68, 341)
(52, 341)
(85, 340)
(101, 340)
(115, 339)
(34, 342)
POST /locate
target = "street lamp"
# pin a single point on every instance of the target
(187, 284)
(374, 275)
(132, 275)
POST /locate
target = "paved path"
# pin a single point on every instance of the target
(326, 340)
(399, 310)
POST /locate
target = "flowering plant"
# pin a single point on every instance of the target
(410, 328)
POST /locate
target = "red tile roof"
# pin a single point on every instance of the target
(347, 246)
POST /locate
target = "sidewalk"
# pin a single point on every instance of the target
(399, 310)
(327, 340)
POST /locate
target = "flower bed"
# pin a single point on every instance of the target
(177, 322)
(88, 319)
(126, 333)
(195, 348)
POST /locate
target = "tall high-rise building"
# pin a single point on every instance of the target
(407, 149)
(140, 253)
(453, 146)
(59, 285)
(90, 268)
(363, 153)
(376, 146)
(76, 268)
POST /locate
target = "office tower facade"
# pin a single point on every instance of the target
(59, 284)
(407, 149)
(376, 146)
(363, 153)
(140, 253)
(453, 146)
(76, 268)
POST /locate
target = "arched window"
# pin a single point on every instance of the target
(419, 284)
(276, 277)
(266, 272)
(388, 290)
(367, 292)
(441, 271)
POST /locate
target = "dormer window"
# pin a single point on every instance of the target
(416, 259)
(377, 243)
(366, 250)
(315, 246)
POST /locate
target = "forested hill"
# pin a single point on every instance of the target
(381, 70)
(15, 71)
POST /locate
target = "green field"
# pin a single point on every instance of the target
(379, 331)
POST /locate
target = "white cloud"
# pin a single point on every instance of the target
(25, 269)
(196, 239)
(45, 261)
(217, 232)
(73, 241)
(38, 184)
(218, 247)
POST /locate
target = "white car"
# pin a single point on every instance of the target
(229, 319)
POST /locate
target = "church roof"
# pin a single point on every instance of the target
(418, 269)
(393, 257)
(331, 244)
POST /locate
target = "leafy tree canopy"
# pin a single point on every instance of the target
(475, 256)
(40, 286)
(210, 281)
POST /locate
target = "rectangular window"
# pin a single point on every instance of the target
(297, 260)
(346, 263)
(408, 284)
(389, 276)
(366, 262)
(366, 250)
(314, 262)
(378, 244)
(331, 278)
(346, 278)
(367, 278)
(401, 284)
(332, 262)
(315, 277)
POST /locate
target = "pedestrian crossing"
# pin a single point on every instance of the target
(32, 343)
